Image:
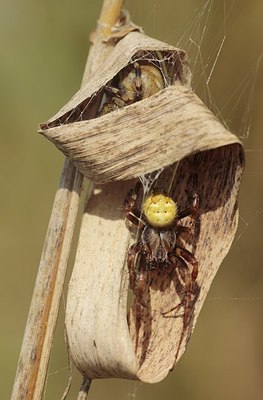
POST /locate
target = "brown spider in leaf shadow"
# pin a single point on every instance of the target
(157, 258)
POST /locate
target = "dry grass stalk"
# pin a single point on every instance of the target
(35, 350)
(38, 337)
(171, 126)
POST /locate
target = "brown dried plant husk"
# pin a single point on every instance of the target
(143, 137)
(171, 126)
(112, 148)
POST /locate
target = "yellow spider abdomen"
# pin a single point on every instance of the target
(160, 210)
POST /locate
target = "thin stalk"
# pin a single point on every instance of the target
(84, 389)
(39, 332)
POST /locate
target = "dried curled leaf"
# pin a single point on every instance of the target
(143, 137)
(101, 342)
(89, 141)
(171, 126)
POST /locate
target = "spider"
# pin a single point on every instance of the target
(133, 83)
(158, 225)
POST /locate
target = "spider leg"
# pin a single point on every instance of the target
(112, 91)
(190, 292)
(183, 229)
(190, 210)
(132, 253)
(140, 303)
(116, 96)
(134, 217)
(140, 284)
(187, 302)
(188, 256)
(113, 100)
(188, 277)
(138, 279)
(132, 213)
(183, 273)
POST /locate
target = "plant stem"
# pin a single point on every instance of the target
(39, 332)
(84, 389)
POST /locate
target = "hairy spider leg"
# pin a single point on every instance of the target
(190, 294)
(190, 210)
(132, 213)
(182, 229)
(188, 256)
(111, 90)
(117, 97)
(137, 283)
(132, 253)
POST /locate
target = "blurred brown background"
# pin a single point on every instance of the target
(44, 45)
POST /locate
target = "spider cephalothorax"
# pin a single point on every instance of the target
(158, 227)
(135, 82)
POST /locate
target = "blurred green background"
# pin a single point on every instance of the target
(44, 46)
